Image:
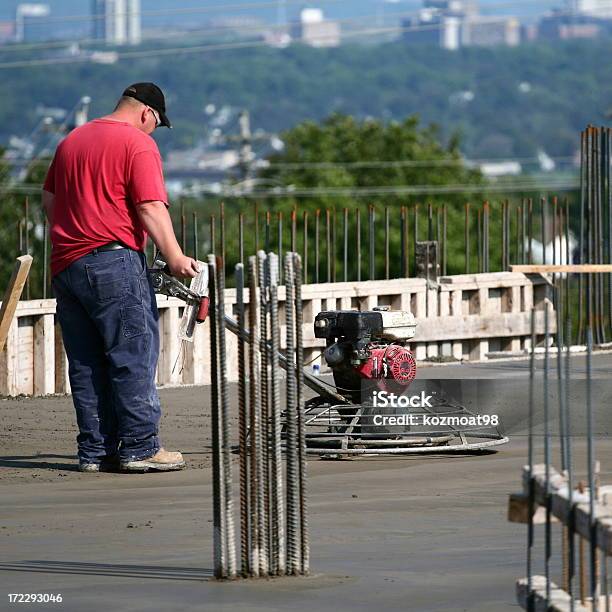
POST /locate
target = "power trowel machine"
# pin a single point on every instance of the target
(368, 409)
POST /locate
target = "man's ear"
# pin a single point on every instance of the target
(143, 115)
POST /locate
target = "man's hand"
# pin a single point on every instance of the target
(182, 266)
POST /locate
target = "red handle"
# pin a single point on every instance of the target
(203, 310)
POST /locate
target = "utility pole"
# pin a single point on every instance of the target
(246, 150)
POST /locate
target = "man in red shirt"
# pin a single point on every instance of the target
(104, 193)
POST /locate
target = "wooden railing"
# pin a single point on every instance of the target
(462, 317)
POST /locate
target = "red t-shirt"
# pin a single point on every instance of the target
(100, 172)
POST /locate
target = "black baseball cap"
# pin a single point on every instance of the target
(151, 95)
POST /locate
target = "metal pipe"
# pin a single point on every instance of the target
(328, 248)
(547, 457)
(530, 456)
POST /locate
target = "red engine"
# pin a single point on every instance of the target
(392, 362)
(367, 349)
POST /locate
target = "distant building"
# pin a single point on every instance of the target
(561, 26)
(452, 24)
(314, 30)
(29, 22)
(490, 31)
(117, 22)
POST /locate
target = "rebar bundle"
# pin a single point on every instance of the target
(273, 523)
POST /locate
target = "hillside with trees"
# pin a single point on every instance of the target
(504, 102)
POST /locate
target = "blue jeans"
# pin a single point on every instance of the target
(108, 315)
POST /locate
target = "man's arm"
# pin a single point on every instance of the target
(156, 220)
(48, 200)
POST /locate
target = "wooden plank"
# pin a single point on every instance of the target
(12, 295)
(25, 356)
(475, 327)
(8, 361)
(44, 355)
(554, 269)
(518, 510)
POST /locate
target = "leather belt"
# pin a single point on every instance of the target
(111, 246)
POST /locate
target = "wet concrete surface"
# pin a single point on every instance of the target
(407, 533)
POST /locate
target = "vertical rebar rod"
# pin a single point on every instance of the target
(334, 226)
(530, 231)
(479, 240)
(372, 242)
(256, 225)
(301, 422)
(243, 421)
(503, 236)
(278, 521)
(485, 237)
(570, 476)
(226, 447)
(518, 255)
(530, 458)
(466, 237)
(195, 249)
(213, 241)
(219, 539)
(358, 241)
(345, 243)
(328, 247)
(183, 228)
(258, 552)
(430, 235)
(267, 244)
(241, 237)
(280, 244)
(416, 235)
(293, 231)
(264, 389)
(317, 256)
(544, 233)
(293, 564)
(27, 241)
(591, 471)
(444, 241)
(547, 455)
(386, 242)
(305, 246)
(45, 256)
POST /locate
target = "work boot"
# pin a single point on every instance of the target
(109, 463)
(161, 461)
